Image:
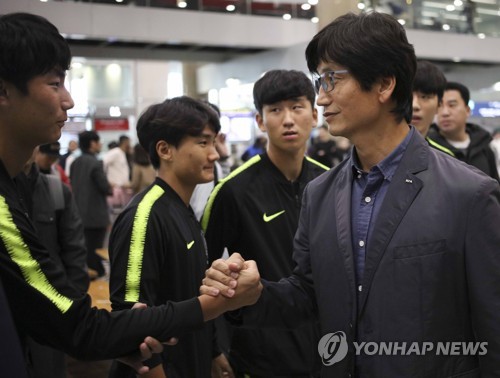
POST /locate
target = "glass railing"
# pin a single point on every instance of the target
(480, 17)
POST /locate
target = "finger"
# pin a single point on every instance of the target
(226, 290)
(222, 266)
(171, 341)
(208, 290)
(146, 353)
(236, 258)
(153, 344)
(139, 305)
(218, 279)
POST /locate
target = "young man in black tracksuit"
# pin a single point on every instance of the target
(468, 142)
(34, 102)
(157, 250)
(428, 89)
(255, 211)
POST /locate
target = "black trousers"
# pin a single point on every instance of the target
(94, 239)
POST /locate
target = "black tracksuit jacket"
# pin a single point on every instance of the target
(158, 254)
(255, 211)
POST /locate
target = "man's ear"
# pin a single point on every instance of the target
(386, 87)
(260, 122)
(164, 151)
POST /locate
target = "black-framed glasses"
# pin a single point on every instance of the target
(326, 80)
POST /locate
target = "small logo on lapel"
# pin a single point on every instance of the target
(189, 245)
(408, 181)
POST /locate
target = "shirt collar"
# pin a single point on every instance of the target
(388, 165)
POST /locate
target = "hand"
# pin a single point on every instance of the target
(221, 367)
(149, 346)
(221, 277)
(248, 288)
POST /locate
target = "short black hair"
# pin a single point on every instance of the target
(122, 139)
(370, 46)
(171, 121)
(464, 91)
(30, 46)
(429, 79)
(85, 138)
(280, 85)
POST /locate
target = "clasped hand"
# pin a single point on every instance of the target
(234, 278)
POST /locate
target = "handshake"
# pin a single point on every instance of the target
(230, 284)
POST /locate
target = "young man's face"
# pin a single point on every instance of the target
(453, 113)
(347, 109)
(288, 124)
(194, 159)
(39, 116)
(425, 107)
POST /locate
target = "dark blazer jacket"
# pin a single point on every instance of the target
(432, 270)
(90, 189)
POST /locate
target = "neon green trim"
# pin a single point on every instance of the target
(317, 163)
(211, 199)
(190, 245)
(439, 147)
(136, 252)
(20, 253)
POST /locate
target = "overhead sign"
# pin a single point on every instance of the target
(111, 124)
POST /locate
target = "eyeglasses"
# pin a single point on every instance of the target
(326, 80)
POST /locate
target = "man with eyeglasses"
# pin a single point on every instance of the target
(396, 251)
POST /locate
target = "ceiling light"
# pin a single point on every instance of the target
(119, 1)
(313, 2)
(315, 20)
(450, 8)
(181, 4)
(456, 59)
(306, 6)
(458, 3)
(287, 16)
(401, 21)
(496, 86)
(446, 27)
(361, 6)
(230, 7)
(481, 36)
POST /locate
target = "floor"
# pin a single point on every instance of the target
(99, 292)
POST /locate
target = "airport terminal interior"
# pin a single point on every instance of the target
(129, 54)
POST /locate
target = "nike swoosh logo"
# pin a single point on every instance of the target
(269, 218)
(189, 245)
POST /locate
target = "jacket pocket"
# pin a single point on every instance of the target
(45, 218)
(419, 250)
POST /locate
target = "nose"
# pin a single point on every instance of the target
(416, 103)
(66, 100)
(288, 117)
(323, 99)
(443, 111)
(213, 155)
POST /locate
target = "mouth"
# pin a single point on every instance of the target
(329, 114)
(416, 119)
(290, 135)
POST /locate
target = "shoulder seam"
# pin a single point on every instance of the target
(208, 208)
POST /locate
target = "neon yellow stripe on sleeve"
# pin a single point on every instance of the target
(208, 207)
(136, 253)
(21, 255)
